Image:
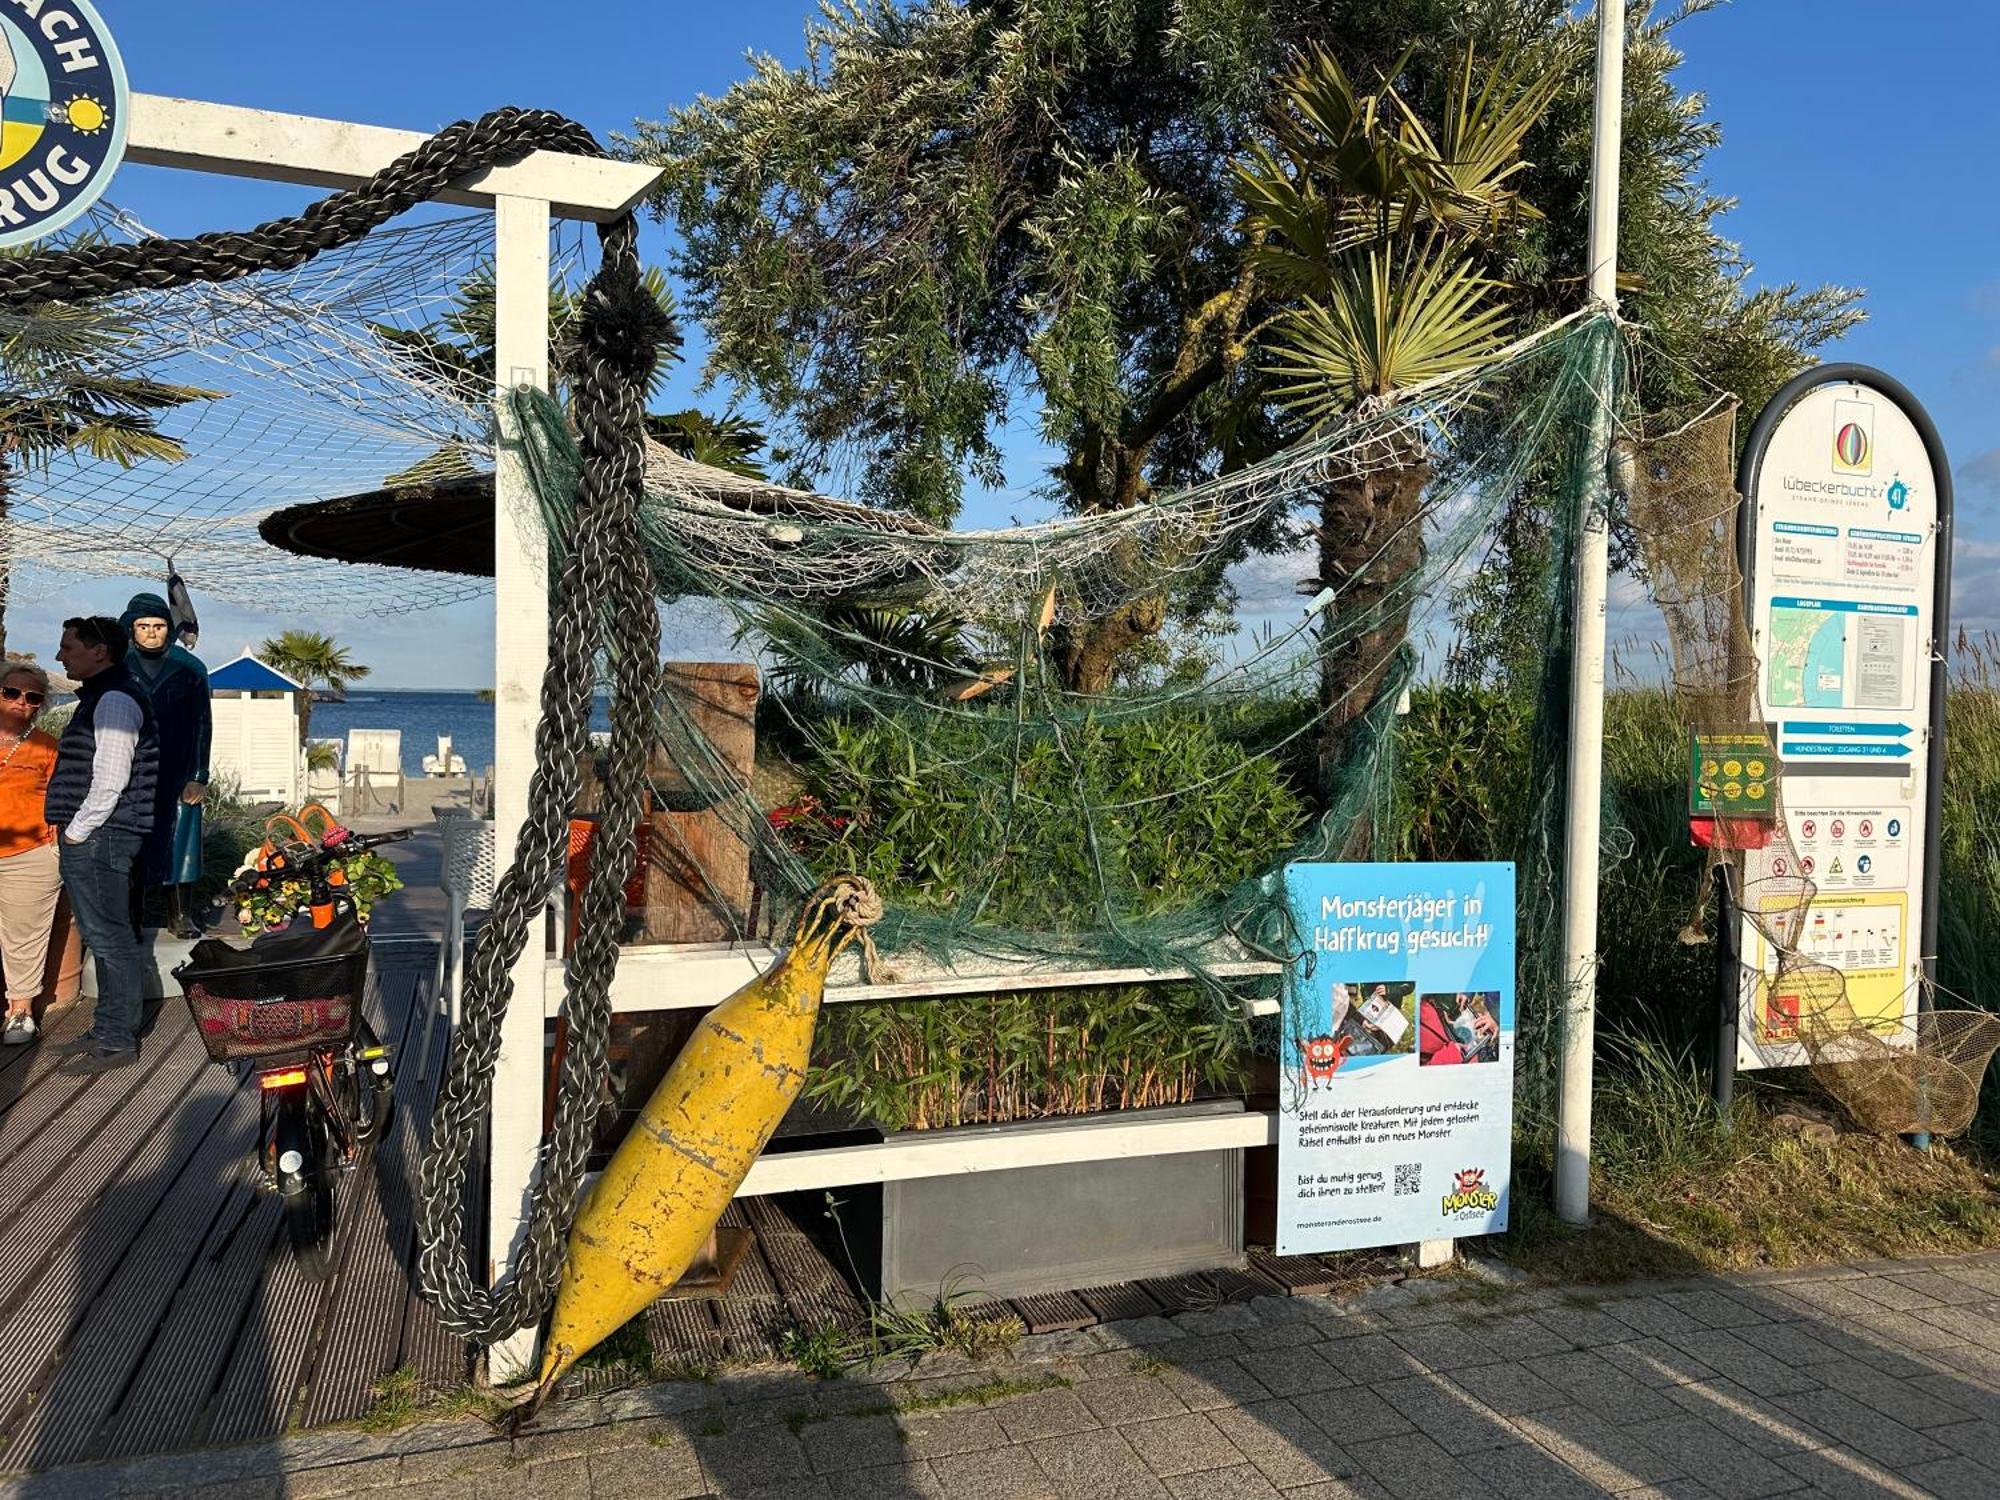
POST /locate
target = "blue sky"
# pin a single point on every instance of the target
(1859, 139)
(1860, 146)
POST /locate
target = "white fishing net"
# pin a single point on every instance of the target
(307, 401)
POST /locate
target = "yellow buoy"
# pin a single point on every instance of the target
(650, 1213)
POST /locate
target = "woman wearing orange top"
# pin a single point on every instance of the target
(30, 881)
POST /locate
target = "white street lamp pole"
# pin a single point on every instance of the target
(1586, 712)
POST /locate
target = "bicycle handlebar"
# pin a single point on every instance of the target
(304, 861)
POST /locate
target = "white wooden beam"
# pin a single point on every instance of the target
(1005, 1148)
(520, 655)
(236, 142)
(695, 978)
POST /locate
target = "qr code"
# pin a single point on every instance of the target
(1409, 1179)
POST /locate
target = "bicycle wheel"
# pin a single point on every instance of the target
(305, 1182)
(374, 1092)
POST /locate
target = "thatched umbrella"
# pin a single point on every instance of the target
(445, 525)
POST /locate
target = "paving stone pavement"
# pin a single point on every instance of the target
(1876, 1379)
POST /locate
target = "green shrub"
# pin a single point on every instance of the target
(1465, 790)
(1134, 817)
(933, 825)
(1462, 775)
(229, 831)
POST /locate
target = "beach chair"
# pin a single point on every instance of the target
(374, 770)
(325, 785)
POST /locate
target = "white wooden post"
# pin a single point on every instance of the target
(520, 653)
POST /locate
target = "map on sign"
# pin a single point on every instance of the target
(1808, 659)
(1840, 653)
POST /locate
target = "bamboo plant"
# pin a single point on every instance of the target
(925, 1065)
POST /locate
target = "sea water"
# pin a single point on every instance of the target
(422, 717)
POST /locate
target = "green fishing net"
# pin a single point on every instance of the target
(919, 721)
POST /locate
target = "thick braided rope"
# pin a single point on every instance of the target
(498, 139)
(604, 591)
(602, 576)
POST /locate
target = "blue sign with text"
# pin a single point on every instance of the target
(1397, 1098)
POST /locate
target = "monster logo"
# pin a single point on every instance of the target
(1469, 1193)
(1323, 1056)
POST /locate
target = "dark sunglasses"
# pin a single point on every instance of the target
(35, 699)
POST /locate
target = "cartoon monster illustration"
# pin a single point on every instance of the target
(1471, 1181)
(1323, 1057)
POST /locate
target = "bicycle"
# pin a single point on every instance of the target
(289, 1007)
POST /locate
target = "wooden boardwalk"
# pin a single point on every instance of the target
(148, 1298)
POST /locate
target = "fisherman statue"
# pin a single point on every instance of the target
(176, 685)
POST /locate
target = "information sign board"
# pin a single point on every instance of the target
(1396, 1110)
(1845, 537)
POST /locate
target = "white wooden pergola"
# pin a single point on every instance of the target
(525, 199)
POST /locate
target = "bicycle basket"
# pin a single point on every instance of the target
(283, 996)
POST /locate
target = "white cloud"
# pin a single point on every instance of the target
(1975, 586)
(1268, 582)
(1980, 474)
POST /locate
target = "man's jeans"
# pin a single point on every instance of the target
(97, 873)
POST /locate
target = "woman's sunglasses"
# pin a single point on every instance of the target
(35, 700)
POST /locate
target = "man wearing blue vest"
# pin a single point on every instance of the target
(100, 800)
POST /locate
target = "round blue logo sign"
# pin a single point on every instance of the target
(63, 114)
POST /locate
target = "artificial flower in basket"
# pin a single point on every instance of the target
(270, 905)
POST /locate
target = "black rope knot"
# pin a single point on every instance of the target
(624, 326)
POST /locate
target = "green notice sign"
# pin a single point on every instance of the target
(1732, 775)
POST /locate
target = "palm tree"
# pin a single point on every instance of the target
(62, 392)
(313, 660)
(730, 441)
(455, 351)
(880, 643)
(1383, 233)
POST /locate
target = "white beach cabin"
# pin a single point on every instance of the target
(256, 738)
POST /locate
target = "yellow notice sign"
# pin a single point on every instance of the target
(1861, 938)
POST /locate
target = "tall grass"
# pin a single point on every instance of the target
(1464, 791)
(1969, 894)
(1653, 1116)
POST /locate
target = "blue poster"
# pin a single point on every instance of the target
(1397, 1095)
